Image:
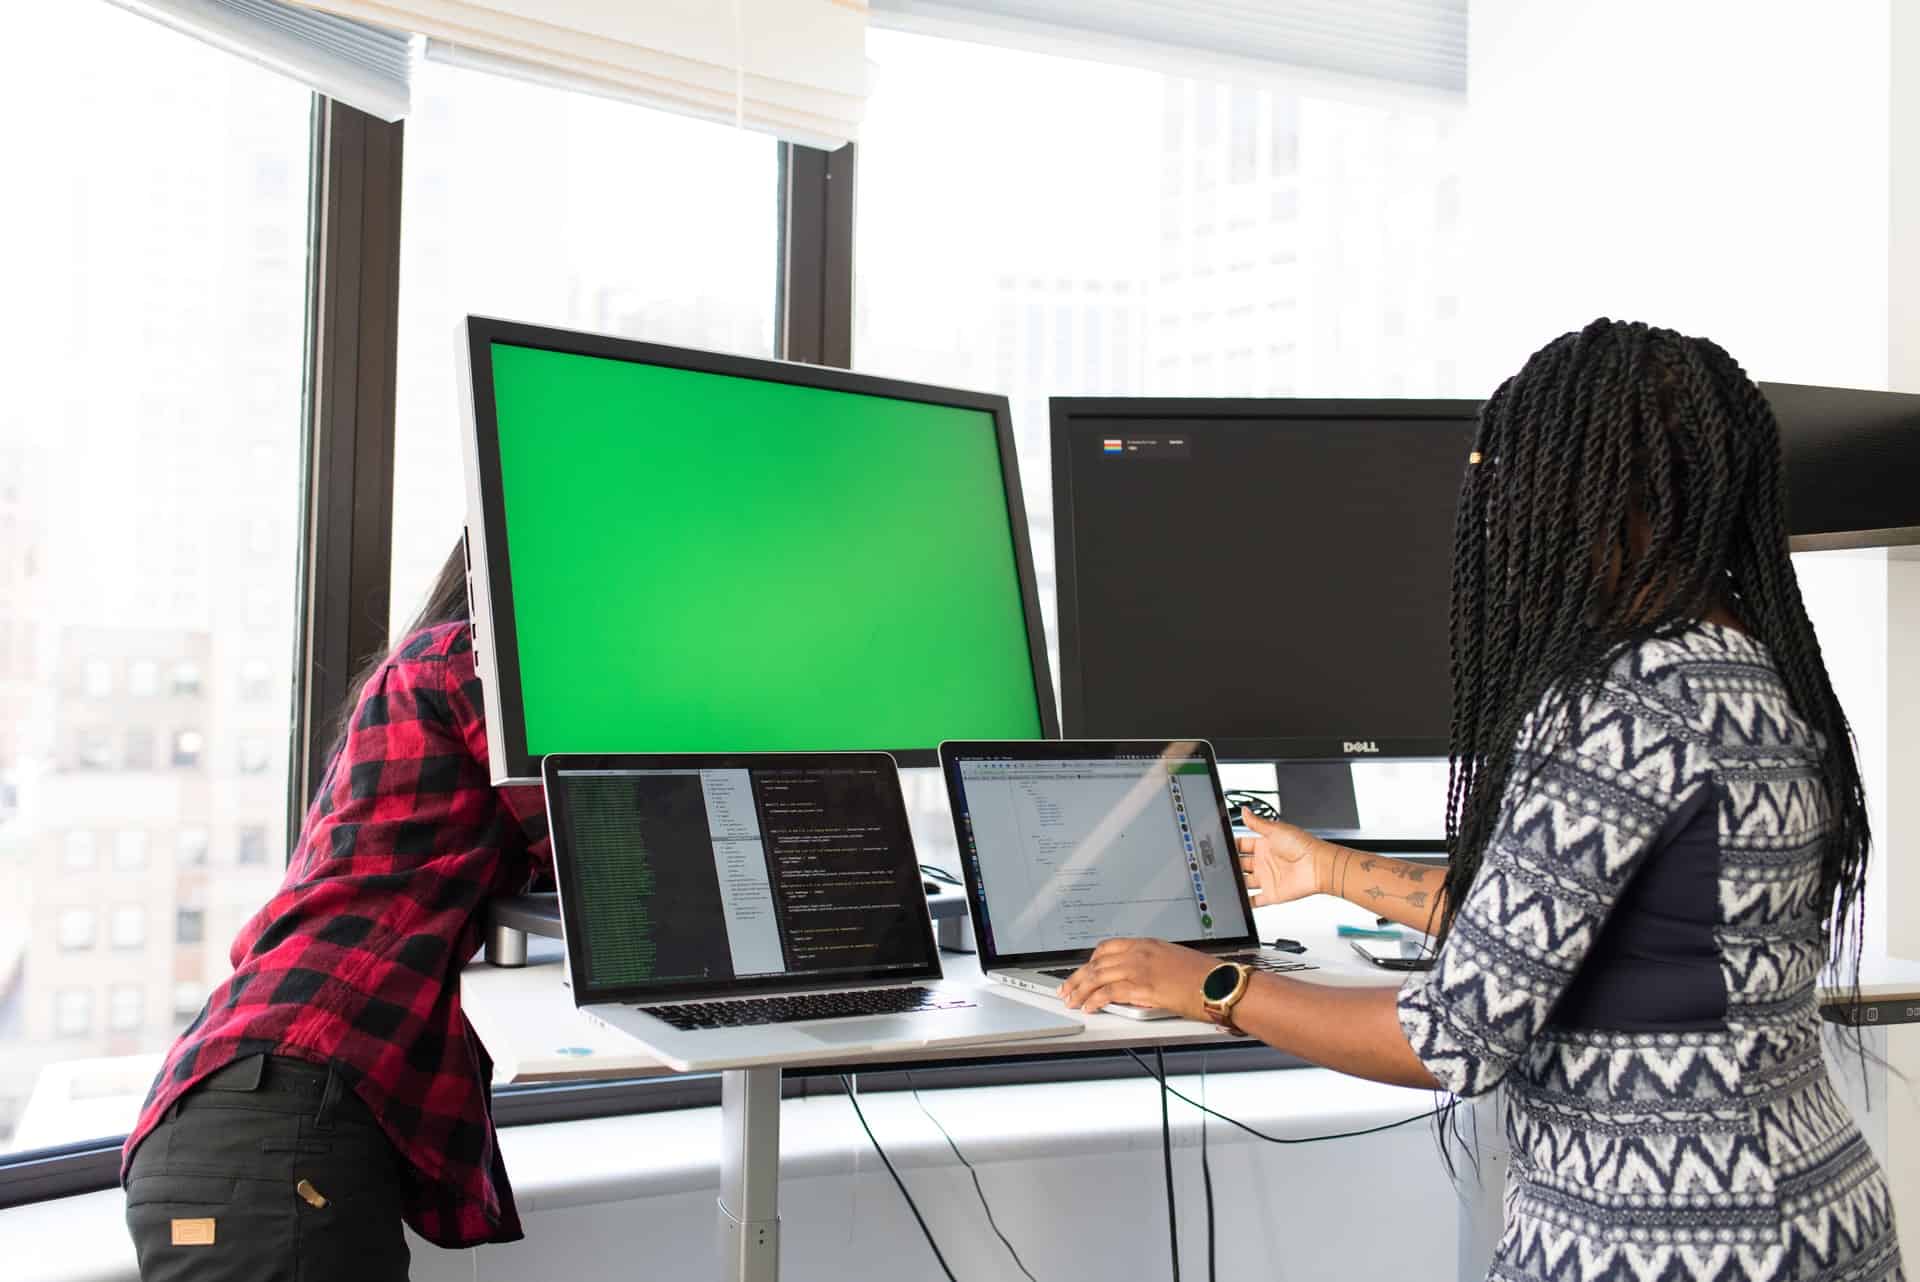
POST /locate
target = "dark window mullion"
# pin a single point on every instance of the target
(347, 546)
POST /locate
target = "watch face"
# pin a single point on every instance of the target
(1218, 985)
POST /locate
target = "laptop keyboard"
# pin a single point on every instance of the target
(1259, 961)
(746, 1012)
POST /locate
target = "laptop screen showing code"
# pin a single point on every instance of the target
(710, 878)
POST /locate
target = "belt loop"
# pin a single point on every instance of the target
(329, 1100)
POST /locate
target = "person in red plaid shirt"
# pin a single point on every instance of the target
(332, 1087)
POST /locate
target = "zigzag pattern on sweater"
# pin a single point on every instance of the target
(1720, 1153)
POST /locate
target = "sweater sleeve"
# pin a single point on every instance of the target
(1583, 806)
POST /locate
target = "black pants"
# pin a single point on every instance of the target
(269, 1171)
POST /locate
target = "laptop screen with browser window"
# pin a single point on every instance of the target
(1067, 844)
(716, 875)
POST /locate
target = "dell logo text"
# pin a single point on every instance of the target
(1359, 745)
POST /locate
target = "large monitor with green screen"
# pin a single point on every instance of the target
(677, 551)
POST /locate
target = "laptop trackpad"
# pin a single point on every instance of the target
(883, 1029)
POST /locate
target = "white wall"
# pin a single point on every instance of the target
(1717, 167)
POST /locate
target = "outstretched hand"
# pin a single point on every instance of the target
(1282, 863)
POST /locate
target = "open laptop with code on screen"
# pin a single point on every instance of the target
(1068, 843)
(728, 910)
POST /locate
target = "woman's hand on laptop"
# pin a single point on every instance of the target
(1140, 972)
(1283, 863)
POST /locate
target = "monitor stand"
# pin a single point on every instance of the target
(1317, 795)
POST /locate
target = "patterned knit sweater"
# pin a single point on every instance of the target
(1660, 1133)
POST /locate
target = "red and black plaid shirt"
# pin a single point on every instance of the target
(355, 961)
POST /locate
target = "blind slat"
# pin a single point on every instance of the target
(1417, 45)
(365, 66)
(795, 68)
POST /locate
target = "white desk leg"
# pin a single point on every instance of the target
(750, 1174)
(1482, 1215)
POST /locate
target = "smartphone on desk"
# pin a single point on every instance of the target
(1395, 954)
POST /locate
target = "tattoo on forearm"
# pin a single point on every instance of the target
(1395, 868)
(1414, 898)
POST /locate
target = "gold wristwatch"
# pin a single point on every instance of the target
(1222, 990)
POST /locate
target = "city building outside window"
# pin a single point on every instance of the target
(155, 332)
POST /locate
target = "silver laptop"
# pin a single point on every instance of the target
(729, 911)
(1068, 843)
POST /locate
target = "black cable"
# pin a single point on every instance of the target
(940, 875)
(1276, 1139)
(860, 1113)
(991, 1222)
(1166, 1153)
(1206, 1170)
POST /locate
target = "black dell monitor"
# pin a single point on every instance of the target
(1271, 575)
(680, 551)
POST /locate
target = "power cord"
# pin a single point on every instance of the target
(941, 875)
(1206, 1169)
(1166, 1153)
(1262, 1135)
(991, 1222)
(854, 1099)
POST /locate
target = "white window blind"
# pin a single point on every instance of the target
(794, 68)
(362, 65)
(1404, 47)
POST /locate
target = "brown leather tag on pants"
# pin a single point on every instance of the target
(193, 1232)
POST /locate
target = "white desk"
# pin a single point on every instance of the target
(528, 1021)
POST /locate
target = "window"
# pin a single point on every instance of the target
(97, 678)
(139, 748)
(188, 997)
(76, 929)
(186, 675)
(79, 851)
(549, 206)
(73, 1012)
(255, 755)
(130, 850)
(187, 745)
(143, 678)
(256, 680)
(190, 847)
(189, 925)
(160, 428)
(252, 848)
(129, 928)
(93, 748)
(125, 1007)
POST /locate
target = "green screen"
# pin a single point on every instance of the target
(709, 563)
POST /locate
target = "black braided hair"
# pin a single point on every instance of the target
(1628, 482)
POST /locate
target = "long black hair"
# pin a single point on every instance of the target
(1624, 484)
(445, 602)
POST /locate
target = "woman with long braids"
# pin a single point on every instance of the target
(1658, 840)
